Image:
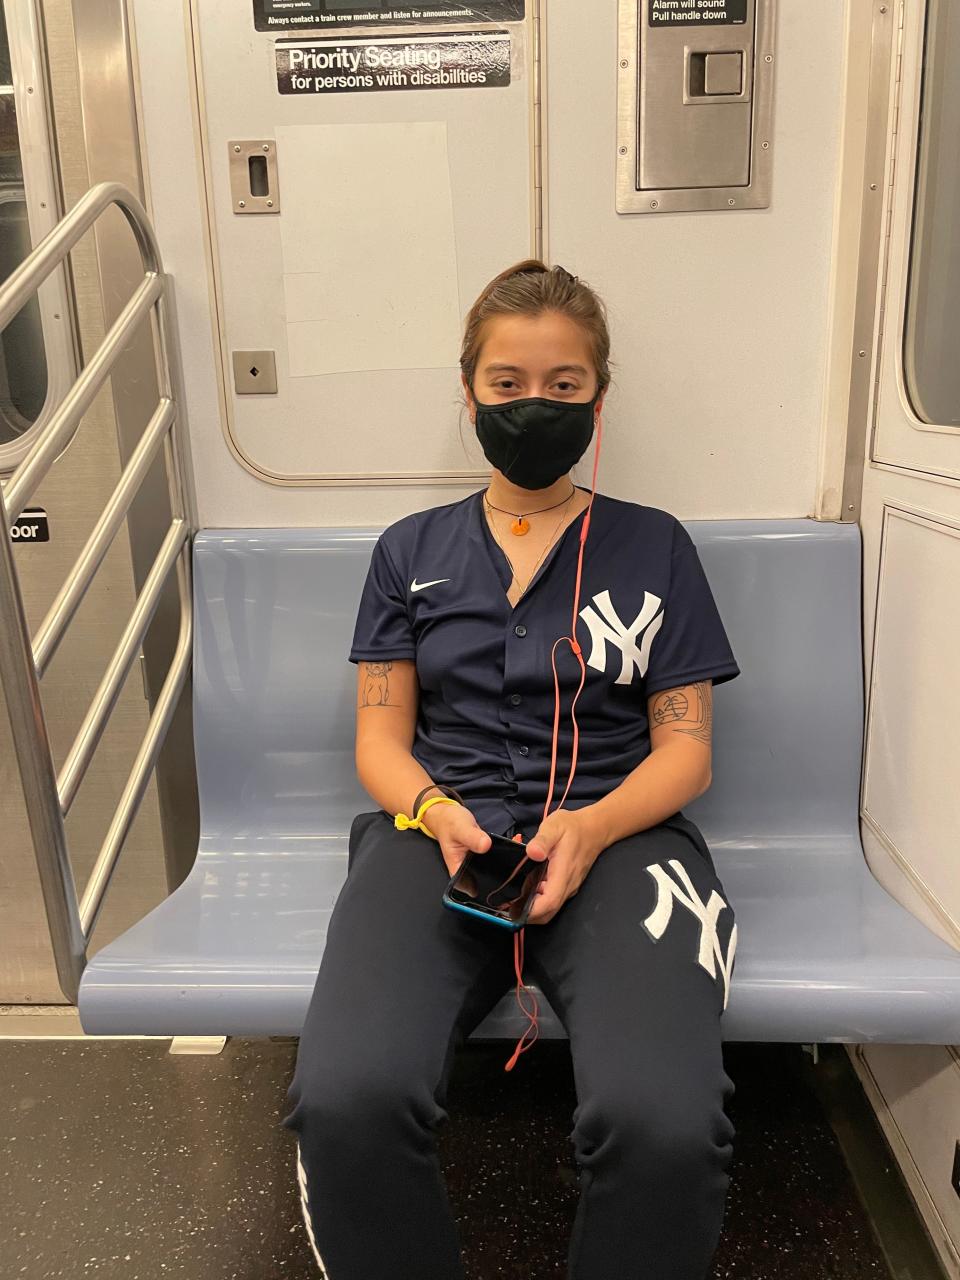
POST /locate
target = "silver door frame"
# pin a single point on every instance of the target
(108, 93)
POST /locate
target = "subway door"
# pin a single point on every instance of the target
(909, 399)
(40, 103)
(364, 182)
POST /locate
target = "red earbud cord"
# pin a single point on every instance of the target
(523, 1044)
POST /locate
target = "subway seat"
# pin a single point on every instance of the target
(824, 952)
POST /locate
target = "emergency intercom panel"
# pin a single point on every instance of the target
(695, 105)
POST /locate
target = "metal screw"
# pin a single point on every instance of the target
(731, 201)
(30, 89)
(43, 204)
(624, 63)
(849, 506)
(623, 151)
(270, 204)
(764, 145)
(883, 8)
(873, 186)
(768, 58)
(237, 150)
(242, 204)
(654, 204)
(861, 354)
(266, 146)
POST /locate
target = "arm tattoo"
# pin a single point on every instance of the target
(672, 706)
(376, 684)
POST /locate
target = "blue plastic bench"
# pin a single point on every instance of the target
(824, 954)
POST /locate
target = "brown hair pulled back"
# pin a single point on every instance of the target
(530, 288)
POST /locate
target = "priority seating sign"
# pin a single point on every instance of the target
(476, 60)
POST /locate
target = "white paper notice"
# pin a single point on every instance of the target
(369, 256)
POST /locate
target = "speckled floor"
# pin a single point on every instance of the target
(121, 1160)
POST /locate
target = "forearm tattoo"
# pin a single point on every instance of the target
(693, 716)
(375, 690)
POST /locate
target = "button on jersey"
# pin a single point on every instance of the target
(436, 594)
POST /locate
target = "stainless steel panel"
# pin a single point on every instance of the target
(77, 583)
(21, 689)
(65, 420)
(255, 373)
(694, 107)
(254, 179)
(687, 139)
(723, 73)
(77, 487)
(112, 142)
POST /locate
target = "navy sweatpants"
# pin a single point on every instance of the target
(636, 966)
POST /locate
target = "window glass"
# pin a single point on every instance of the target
(6, 76)
(931, 358)
(23, 366)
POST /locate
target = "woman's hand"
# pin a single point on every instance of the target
(571, 840)
(457, 833)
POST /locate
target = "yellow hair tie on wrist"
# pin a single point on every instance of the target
(403, 823)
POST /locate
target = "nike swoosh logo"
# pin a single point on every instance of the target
(419, 586)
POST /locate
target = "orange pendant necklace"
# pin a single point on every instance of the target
(521, 525)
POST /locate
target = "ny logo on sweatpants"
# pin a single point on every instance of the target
(710, 953)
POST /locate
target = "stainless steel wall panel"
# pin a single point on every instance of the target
(74, 493)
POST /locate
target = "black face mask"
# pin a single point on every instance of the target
(535, 441)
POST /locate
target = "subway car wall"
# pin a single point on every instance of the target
(746, 347)
(762, 191)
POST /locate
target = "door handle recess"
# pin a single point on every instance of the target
(254, 177)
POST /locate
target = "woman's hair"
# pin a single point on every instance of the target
(529, 289)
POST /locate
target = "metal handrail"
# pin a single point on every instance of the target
(54, 626)
(118, 668)
(23, 661)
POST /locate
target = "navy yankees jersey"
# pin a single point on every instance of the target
(436, 594)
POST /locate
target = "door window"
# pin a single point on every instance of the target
(23, 363)
(930, 357)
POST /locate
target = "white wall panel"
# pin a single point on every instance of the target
(395, 208)
(719, 319)
(910, 795)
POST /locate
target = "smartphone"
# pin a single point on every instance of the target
(499, 885)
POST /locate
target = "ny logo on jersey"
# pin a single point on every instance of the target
(606, 626)
(710, 953)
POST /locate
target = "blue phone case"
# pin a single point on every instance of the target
(480, 915)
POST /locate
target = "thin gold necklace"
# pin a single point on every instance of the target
(533, 573)
(521, 525)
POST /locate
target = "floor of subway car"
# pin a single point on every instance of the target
(122, 1160)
